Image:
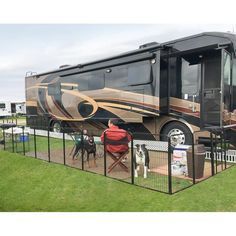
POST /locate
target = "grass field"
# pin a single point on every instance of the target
(27, 184)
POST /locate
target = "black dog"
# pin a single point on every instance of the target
(87, 145)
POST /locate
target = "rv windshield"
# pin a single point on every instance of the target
(226, 79)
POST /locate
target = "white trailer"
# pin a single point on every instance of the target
(5, 109)
(20, 108)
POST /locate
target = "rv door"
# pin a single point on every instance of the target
(215, 103)
(211, 104)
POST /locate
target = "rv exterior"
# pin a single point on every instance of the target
(5, 109)
(175, 87)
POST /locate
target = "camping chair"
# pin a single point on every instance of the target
(118, 156)
(77, 138)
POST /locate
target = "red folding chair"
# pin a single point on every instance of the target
(117, 157)
(117, 160)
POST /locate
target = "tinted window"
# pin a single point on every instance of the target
(117, 77)
(54, 89)
(190, 75)
(131, 74)
(227, 68)
(227, 79)
(139, 73)
(96, 81)
(90, 81)
(83, 82)
(234, 73)
(234, 83)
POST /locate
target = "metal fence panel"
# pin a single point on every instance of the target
(72, 158)
(150, 161)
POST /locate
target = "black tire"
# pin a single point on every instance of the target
(179, 132)
(56, 127)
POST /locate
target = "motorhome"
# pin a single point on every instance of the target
(168, 88)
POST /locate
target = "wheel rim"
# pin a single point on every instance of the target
(56, 128)
(176, 137)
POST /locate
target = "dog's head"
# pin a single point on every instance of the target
(140, 149)
(91, 140)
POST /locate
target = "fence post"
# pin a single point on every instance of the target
(212, 156)
(12, 140)
(64, 146)
(132, 159)
(216, 153)
(224, 149)
(4, 140)
(82, 149)
(105, 156)
(35, 144)
(221, 149)
(49, 154)
(169, 167)
(193, 160)
(23, 139)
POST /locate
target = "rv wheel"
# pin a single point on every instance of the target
(178, 133)
(56, 127)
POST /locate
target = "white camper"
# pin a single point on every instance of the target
(5, 109)
(20, 108)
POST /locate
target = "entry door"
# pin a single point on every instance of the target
(211, 104)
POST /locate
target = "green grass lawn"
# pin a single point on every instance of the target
(42, 144)
(28, 184)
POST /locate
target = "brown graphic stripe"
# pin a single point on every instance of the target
(60, 109)
(138, 105)
(185, 110)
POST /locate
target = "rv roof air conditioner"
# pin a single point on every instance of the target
(63, 66)
(148, 45)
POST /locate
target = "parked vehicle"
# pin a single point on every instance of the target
(169, 88)
(5, 108)
(18, 108)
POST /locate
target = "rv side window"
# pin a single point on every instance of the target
(2, 105)
(139, 73)
(91, 81)
(190, 75)
(117, 77)
(83, 83)
(96, 81)
(54, 89)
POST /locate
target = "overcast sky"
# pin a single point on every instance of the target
(40, 48)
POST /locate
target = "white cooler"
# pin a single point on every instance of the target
(180, 153)
(179, 164)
